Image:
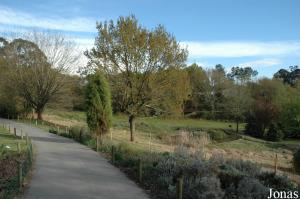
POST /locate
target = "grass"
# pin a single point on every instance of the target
(10, 142)
(247, 148)
(144, 124)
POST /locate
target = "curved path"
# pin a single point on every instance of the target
(65, 169)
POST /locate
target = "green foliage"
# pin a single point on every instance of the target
(242, 74)
(217, 135)
(80, 134)
(131, 54)
(290, 118)
(278, 182)
(53, 130)
(289, 77)
(98, 104)
(274, 133)
(170, 89)
(296, 160)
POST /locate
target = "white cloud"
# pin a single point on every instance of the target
(241, 49)
(262, 63)
(85, 43)
(19, 18)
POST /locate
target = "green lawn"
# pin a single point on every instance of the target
(144, 124)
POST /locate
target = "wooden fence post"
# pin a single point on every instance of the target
(113, 154)
(21, 134)
(140, 170)
(31, 153)
(20, 175)
(276, 161)
(179, 187)
(29, 150)
(27, 141)
(15, 131)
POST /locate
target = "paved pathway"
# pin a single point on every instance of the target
(65, 169)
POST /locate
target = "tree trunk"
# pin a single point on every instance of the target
(237, 126)
(39, 114)
(132, 126)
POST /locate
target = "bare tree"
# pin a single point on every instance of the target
(62, 53)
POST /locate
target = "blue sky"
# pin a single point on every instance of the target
(264, 34)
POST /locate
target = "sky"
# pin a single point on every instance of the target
(263, 34)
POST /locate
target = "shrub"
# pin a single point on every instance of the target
(52, 130)
(217, 135)
(249, 188)
(202, 188)
(296, 161)
(278, 182)
(80, 134)
(274, 133)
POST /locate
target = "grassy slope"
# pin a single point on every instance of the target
(143, 124)
(246, 148)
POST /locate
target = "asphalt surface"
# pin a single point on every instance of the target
(64, 169)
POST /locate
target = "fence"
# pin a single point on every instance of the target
(15, 163)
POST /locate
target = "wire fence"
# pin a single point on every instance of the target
(16, 158)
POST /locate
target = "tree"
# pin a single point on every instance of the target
(198, 80)
(30, 73)
(289, 77)
(262, 115)
(62, 53)
(169, 89)
(238, 96)
(265, 109)
(37, 72)
(242, 74)
(214, 90)
(98, 105)
(132, 53)
(238, 102)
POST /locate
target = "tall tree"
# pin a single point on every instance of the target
(238, 96)
(38, 64)
(198, 80)
(214, 89)
(289, 77)
(134, 53)
(98, 105)
(31, 75)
